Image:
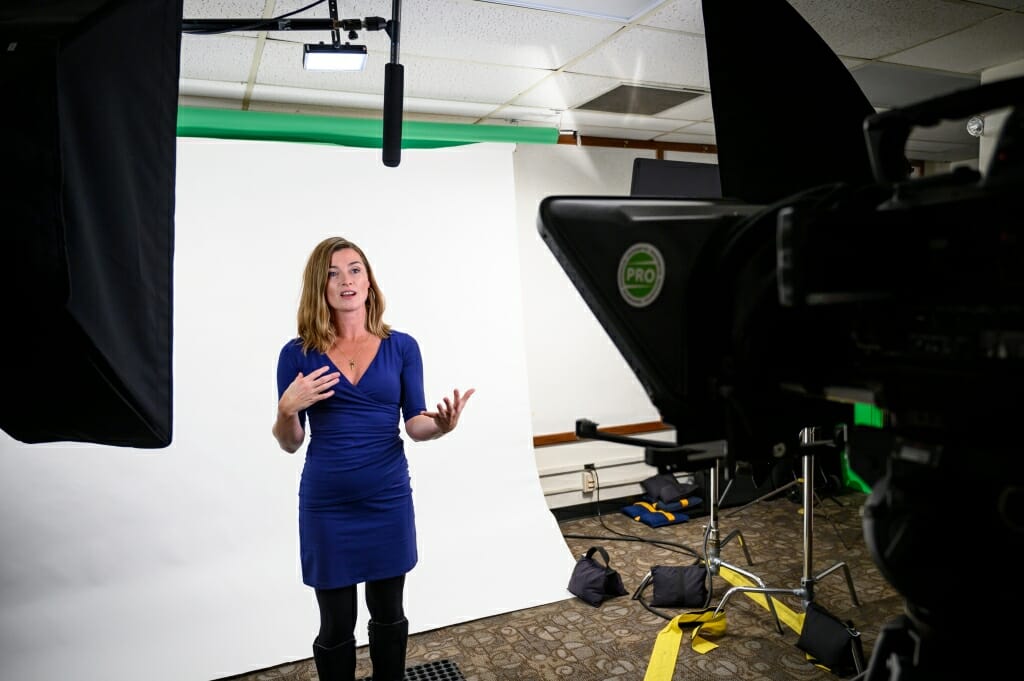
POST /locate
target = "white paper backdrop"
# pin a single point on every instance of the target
(182, 563)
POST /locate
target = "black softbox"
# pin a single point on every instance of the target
(797, 82)
(87, 219)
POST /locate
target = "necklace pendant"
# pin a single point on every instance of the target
(351, 365)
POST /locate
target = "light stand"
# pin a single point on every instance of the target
(809, 443)
(713, 546)
(667, 458)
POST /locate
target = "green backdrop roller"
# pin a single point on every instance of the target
(351, 132)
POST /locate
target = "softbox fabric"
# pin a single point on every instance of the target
(88, 222)
(756, 164)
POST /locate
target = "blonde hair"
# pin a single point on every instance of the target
(316, 328)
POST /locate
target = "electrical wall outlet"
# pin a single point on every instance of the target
(589, 480)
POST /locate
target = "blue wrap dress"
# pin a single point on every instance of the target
(356, 516)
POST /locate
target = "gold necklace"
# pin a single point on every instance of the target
(350, 358)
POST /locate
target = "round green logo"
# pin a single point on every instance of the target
(641, 273)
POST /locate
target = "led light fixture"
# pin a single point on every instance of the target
(333, 57)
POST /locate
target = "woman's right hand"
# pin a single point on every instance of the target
(300, 394)
(306, 391)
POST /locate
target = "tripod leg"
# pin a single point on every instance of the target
(849, 579)
(743, 544)
(760, 588)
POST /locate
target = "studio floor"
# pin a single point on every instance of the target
(573, 640)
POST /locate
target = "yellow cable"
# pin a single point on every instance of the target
(666, 646)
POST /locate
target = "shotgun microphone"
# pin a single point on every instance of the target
(391, 143)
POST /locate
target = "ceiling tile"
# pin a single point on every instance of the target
(347, 9)
(698, 109)
(217, 57)
(651, 56)
(221, 9)
(874, 28)
(441, 107)
(990, 43)
(227, 103)
(323, 102)
(473, 31)
(891, 85)
(227, 9)
(677, 15)
(424, 77)
(697, 128)
(528, 114)
(193, 87)
(494, 34)
(518, 122)
(616, 133)
(305, 98)
(467, 82)
(577, 119)
(440, 118)
(622, 10)
(686, 138)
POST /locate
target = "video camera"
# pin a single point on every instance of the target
(748, 321)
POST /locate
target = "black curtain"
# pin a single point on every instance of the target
(87, 213)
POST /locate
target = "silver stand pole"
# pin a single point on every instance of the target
(714, 545)
(809, 441)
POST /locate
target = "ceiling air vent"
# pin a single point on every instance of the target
(633, 99)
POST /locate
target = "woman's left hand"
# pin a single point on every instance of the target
(447, 415)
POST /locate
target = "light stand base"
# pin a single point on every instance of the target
(809, 441)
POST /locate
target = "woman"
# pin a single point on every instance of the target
(352, 376)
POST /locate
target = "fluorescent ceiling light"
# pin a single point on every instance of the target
(333, 57)
(619, 10)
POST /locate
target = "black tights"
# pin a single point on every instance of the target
(338, 608)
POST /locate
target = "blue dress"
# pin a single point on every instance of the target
(356, 517)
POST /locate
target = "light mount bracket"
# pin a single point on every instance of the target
(393, 70)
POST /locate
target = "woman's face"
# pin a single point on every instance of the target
(348, 283)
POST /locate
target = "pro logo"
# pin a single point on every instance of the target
(641, 274)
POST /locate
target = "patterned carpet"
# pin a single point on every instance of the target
(571, 640)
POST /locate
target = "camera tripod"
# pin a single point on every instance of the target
(811, 441)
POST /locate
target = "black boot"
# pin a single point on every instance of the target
(337, 663)
(387, 649)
